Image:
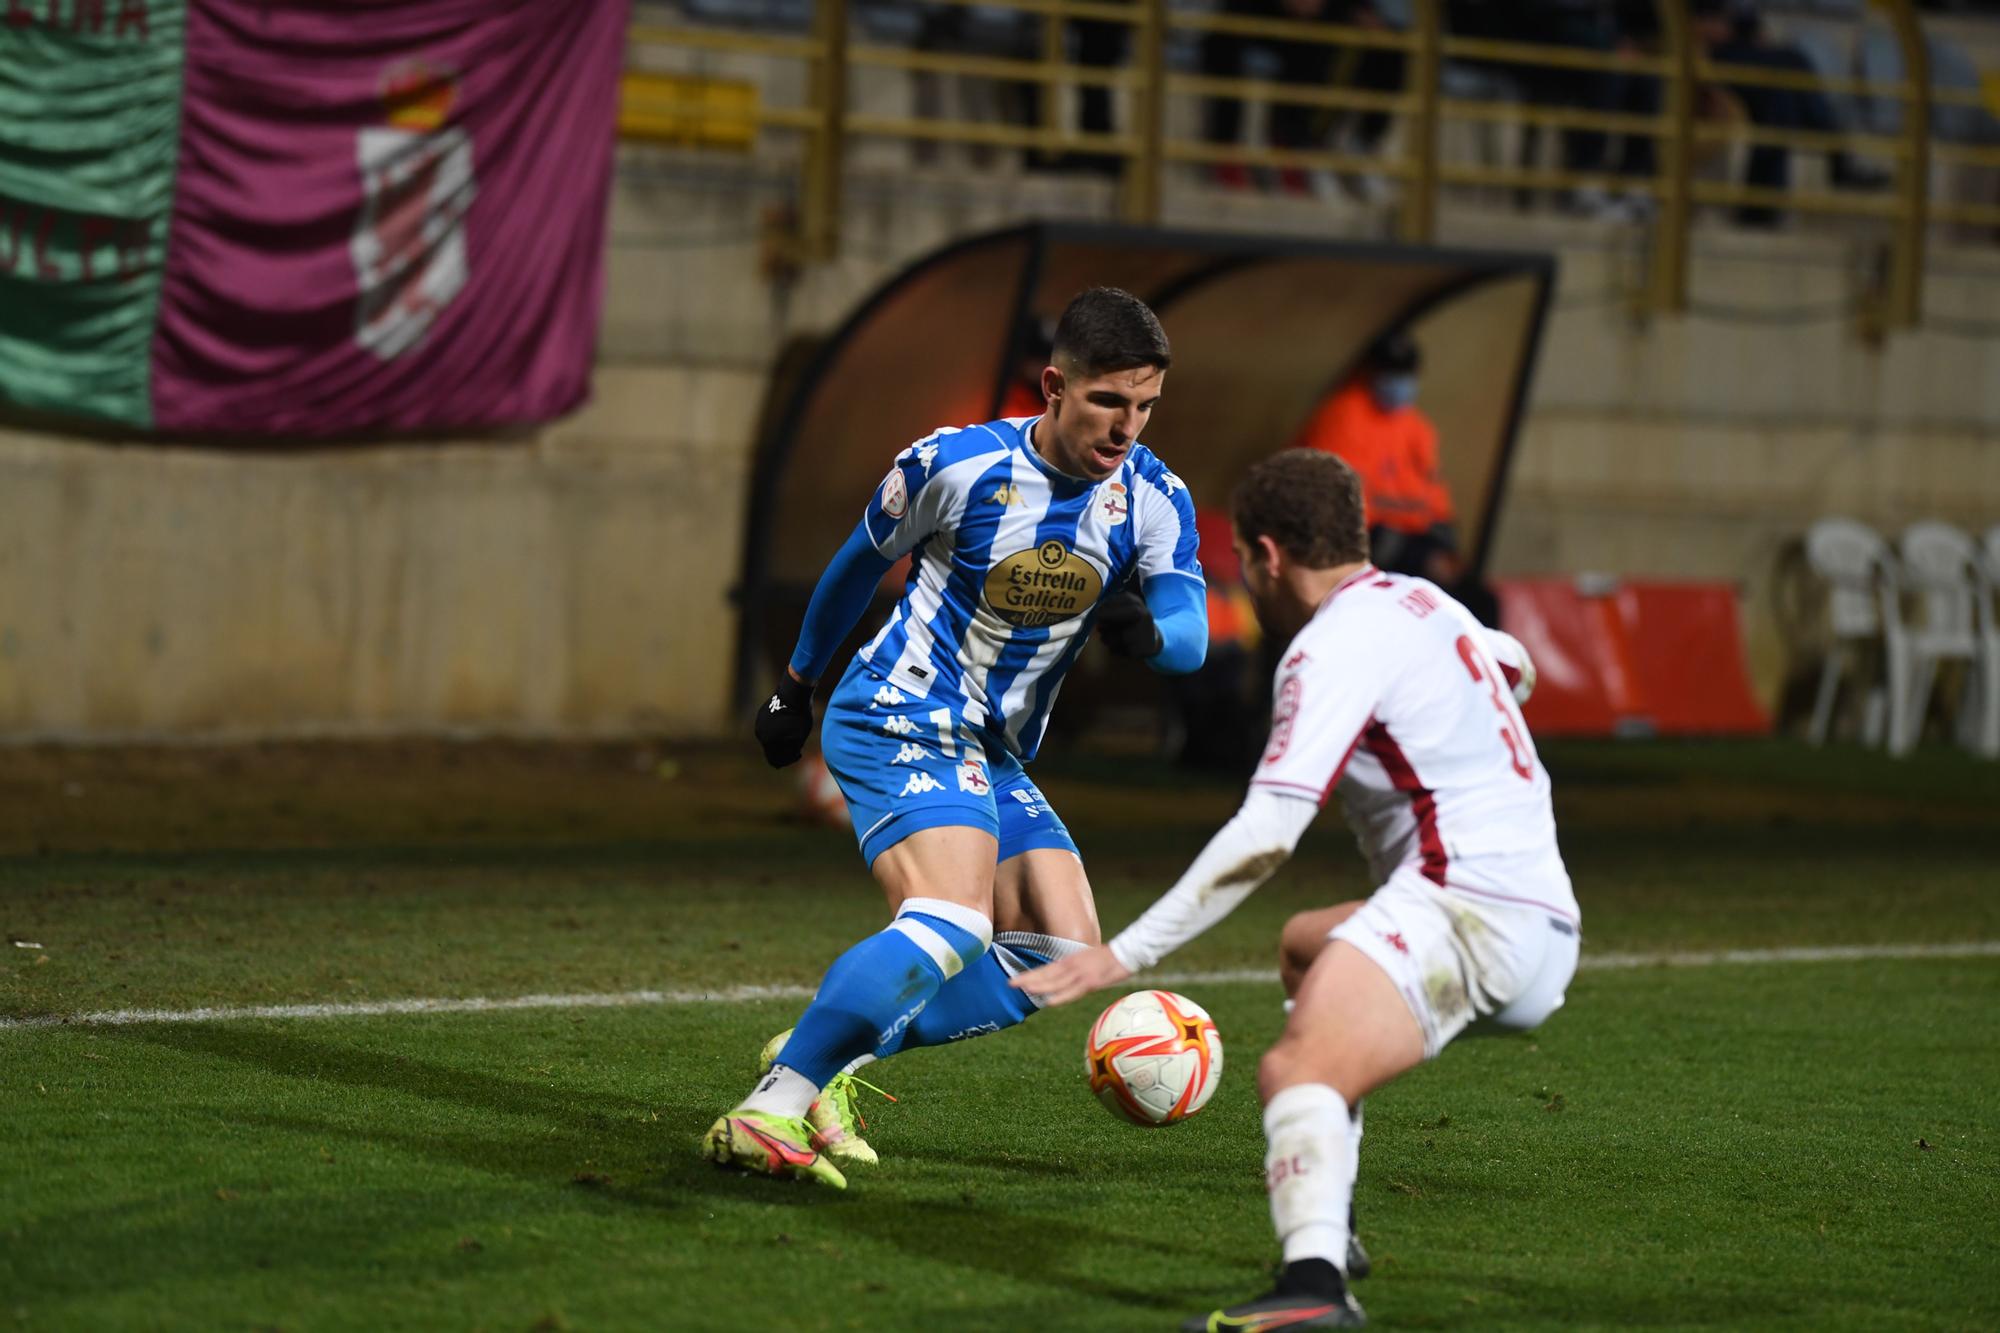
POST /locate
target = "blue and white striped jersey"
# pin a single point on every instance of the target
(1010, 558)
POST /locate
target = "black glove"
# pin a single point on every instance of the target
(1126, 623)
(784, 722)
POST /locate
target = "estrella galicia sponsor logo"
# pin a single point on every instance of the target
(920, 784)
(1043, 585)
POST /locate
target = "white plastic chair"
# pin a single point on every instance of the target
(1986, 737)
(1942, 567)
(1862, 607)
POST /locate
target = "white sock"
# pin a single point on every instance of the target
(1307, 1171)
(858, 1062)
(1353, 1146)
(783, 1092)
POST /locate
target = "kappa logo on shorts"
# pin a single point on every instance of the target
(1396, 941)
(920, 784)
(910, 753)
(898, 725)
(888, 696)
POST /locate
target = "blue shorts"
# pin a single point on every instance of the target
(908, 764)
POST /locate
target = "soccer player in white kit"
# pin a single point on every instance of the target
(1390, 692)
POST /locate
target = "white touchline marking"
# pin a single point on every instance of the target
(1603, 962)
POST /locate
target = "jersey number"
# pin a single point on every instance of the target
(1517, 748)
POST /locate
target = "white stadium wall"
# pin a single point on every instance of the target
(575, 580)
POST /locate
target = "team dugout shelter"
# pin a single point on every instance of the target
(1262, 329)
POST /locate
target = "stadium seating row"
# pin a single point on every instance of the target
(1926, 601)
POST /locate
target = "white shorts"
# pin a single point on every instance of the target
(1462, 961)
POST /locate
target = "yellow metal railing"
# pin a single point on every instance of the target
(671, 108)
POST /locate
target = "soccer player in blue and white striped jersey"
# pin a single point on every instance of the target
(1025, 535)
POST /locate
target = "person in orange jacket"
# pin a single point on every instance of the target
(1372, 423)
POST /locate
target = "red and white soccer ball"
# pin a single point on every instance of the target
(1154, 1057)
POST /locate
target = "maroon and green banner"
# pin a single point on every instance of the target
(90, 99)
(229, 217)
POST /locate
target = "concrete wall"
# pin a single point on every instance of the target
(574, 580)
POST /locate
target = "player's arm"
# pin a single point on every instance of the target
(1165, 624)
(1316, 722)
(1245, 852)
(1516, 667)
(901, 513)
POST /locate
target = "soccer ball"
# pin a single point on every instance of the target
(1153, 1057)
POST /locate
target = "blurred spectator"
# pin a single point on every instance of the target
(1604, 26)
(1733, 33)
(1100, 45)
(1226, 55)
(1373, 423)
(982, 31)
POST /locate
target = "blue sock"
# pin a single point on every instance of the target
(978, 1000)
(878, 988)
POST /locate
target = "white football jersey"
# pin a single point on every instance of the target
(1396, 695)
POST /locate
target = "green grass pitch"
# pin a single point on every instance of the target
(1805, 1145)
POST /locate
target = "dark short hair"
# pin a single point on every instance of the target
(1105, 329)
(1396, 353)
(1307, 502)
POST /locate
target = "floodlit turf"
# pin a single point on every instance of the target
(1765, 1146)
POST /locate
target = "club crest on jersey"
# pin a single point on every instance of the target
(920, 784)
(1114, 504)
(972, 777)
(895, 494)
(1007, 493)
(1042, 585)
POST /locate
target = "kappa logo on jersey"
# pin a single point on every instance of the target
(1396, 941)
(1292, 663)
(1171, 482)
(1028, 798)
(898, 725)
(888, 697)
(927, 454)
(1115, 505)
(972, 777)
(1008, 494)
(920, 784)
(910, 753)
(895, 494)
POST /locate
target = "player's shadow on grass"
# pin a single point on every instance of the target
(1036, 1249)
(622, 1150)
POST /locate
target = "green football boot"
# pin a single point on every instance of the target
(835, 1119)
(769, 1145)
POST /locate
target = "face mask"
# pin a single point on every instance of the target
(1394, 391)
